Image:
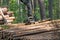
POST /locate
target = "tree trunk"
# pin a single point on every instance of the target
(35, 3)
(57, 10)
(1, 2)
(50, 8)
(42, 9)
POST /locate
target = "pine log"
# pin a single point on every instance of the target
(47, 25)
(10, 18)
(1, 17)
(9, 21)
(6, 16)
(10, 13)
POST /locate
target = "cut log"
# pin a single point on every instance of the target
(10, 18)
(6, 16)
(1, 17)
(9, 21)
(10, 13)
(46, 24)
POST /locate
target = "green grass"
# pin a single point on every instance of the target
(4, 26)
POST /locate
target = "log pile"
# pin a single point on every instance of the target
(49, 24)
(8, 18)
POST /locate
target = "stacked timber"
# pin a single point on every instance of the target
(0, 17)
(8, 18)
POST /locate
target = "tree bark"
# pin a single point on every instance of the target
(42, 9)
(57, 10)
(50, 9)
(35, 3)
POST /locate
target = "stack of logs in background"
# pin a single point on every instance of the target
(8, 18)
